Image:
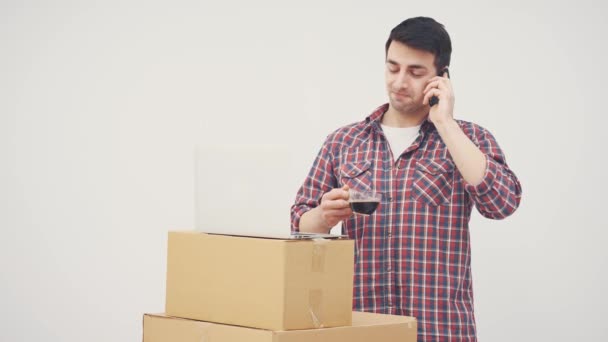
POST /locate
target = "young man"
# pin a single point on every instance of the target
(412, 255)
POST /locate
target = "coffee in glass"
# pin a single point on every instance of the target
(364, 202)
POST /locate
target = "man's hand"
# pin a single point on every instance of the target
(441, 87)
(334, 208)
(469, 159)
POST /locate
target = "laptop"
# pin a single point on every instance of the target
(247, 190)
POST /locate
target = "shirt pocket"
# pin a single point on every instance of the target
(357, 175)
(433, 181)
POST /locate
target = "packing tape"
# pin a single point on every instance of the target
(205, 333)
(318, 255)
(315, 298)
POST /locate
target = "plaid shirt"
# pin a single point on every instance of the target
(412, 255)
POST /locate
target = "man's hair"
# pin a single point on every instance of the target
(425, 34)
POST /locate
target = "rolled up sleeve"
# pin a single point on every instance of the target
(320, 179)
(499, 193)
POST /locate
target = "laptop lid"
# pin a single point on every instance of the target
(246, 189)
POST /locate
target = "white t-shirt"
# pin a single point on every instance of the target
(400, 138)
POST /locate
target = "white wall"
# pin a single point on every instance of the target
(102, 104)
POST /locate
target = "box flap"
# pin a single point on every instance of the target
(163, 328)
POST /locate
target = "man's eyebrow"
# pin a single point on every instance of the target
(413, 66)
(416, 66)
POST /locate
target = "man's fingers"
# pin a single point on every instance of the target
(332, 217)
(437, 84)
(335, 204)
(442, 83)
(335, 194)
(430, 86)
(340, 213)
(432, 92)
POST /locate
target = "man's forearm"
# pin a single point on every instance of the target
(469, 159)
(312, 222)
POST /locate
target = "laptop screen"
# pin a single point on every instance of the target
(244, 189)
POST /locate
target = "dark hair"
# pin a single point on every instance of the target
(424, 34)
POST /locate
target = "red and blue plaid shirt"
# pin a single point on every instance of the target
(412, 255)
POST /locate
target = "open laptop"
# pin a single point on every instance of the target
(247, 190)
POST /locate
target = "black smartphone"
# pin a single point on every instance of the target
(434, 100)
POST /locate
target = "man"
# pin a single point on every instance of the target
(412, 255)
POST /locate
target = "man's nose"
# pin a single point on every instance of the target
(401, 81)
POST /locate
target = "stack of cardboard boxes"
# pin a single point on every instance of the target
(227, 288)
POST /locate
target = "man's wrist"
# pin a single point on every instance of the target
(313, 222)
(446, 125)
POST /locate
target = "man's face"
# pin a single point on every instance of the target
(407, 71)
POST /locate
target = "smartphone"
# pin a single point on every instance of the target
(434, 100)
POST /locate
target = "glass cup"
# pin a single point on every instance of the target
(364, 202)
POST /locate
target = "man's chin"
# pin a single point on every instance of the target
(406, 108)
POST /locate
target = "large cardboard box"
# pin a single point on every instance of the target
(365, 327)
(262, 283)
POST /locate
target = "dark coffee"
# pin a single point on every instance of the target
(365, 207)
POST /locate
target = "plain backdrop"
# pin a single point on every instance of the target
(103, 102)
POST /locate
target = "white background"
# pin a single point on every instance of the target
(102, 103)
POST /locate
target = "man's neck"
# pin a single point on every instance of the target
(392, 118)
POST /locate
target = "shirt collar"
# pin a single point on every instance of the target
(376, 116)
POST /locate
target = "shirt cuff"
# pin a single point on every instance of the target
(296, 215)
(487, 180)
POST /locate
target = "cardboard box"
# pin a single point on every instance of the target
(261, 283)
(365, 327)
